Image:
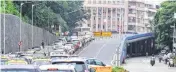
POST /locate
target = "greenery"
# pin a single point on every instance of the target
(48, 13)
(163, 21)
(118, 69)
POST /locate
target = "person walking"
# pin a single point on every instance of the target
(160, 58)
(165, 58)
(43, 44)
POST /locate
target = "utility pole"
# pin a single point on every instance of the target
(0, 33)
(173, 31)
(4, 25)
(32, 27)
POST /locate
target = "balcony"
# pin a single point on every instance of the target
(131, 23)
(105, 5)
(152, 10)
(132, 15)
(132, 7)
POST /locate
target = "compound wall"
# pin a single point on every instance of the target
(12, 34)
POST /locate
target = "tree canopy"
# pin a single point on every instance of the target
(50, 13)
(163, 22)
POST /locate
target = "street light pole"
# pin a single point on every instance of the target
(4, 27)
(32, 27)
(20, 17)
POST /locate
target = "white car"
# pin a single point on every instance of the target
(69, 48)
(57, 68)
(58, 52)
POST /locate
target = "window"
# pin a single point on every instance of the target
(99, 25)
(99, 63)
(100, 2)
(109, 2)
(104, 2)
(89, 25)
(91, 62)
(114, 2)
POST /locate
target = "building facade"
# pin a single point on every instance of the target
(120, 15)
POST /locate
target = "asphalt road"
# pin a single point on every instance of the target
(102, 49)
(142, 64)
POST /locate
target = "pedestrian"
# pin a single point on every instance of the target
(146, 54)
(165, 58)
(43, 44)
(160, 58)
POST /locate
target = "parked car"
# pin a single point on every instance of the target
(78, 42)
(37, 48)
(74, 46)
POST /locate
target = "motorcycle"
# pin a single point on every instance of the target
(152, 62)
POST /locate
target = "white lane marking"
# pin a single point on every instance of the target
(100, 50)
(83, 50)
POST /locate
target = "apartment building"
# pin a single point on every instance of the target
(120, 15)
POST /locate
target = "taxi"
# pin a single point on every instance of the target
(19, 68)
(58, 68)
(4, 60)
(17, 62)
(86, 64)
(41, 61)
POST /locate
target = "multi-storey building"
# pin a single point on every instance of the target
(120, 15)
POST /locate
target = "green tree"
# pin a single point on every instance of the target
(163, 21)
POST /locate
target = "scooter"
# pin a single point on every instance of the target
(171, 63)
(152, 62)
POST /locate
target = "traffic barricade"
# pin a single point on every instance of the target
(102, 68)
(106, 34)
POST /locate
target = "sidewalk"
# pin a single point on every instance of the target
(142, 64)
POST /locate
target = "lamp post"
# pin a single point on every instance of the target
(4, 27)
(21, 5)
(32, 27)
(20, 17)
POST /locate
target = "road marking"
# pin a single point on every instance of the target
(84, 49)
(100, 50)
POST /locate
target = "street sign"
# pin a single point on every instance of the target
(20, 43)
(97, 33)
(106, 34)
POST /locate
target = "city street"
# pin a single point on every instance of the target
(142, 64)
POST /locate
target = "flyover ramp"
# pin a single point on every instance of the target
(102, 49)
(142, 64)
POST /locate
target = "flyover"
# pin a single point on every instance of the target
(136, 45)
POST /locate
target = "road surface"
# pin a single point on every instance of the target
(102, 49)
(142, 64)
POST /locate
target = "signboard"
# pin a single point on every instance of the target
(97, 33)
(20, 43)
(106, 34)
(174, 15)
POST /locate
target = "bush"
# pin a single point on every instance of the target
(118, 69)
